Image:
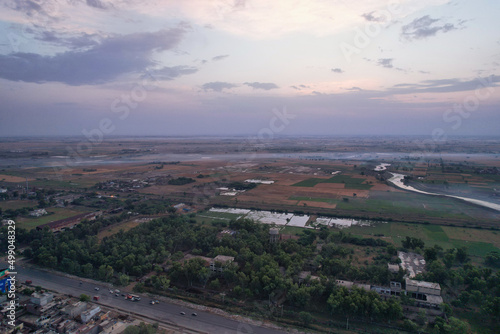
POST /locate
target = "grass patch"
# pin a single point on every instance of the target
(309, 182)
(350, 182)
(45, 183)
(116, 228)
(58, 213)
(18, 204)
(312, 199)
(475, 248)
(293, 230)
(436, 233)
(431, 235)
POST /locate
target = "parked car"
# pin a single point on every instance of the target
(96, 289)
(194, 314)
(183, 313)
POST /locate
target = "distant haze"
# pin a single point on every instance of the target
(264, 68)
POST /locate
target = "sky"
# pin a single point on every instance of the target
(102, 68)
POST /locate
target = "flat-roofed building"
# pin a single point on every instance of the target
(423, 287)
(349, 285)
(74, 310)
(427, 294)
(41, 298)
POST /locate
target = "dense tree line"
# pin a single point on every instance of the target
(181, 180)
(262, 270)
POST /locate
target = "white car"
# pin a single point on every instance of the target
(96, 289)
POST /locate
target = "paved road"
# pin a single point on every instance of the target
(164, 312)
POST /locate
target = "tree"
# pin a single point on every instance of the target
(123, 279)
(430, 254)
(84, 298)
(305, 317)
(449, 259)
(412, 243)
(421, 317)
(492, 259)
(105, 272)
(410, 326)
(215, 284)
(461, 254)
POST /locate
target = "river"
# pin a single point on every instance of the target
(397, 180)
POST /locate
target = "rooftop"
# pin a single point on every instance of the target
(223, 258)
(423, 284)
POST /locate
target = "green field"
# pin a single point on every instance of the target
(350, 182)
(44, 183)
(54, 214)
(431, 235)
(313, 199)
(18, 204)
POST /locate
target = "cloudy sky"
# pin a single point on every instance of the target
(243, 67)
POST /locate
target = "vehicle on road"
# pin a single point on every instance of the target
(194, 314)
(152, 302)
(133, 298)
(117, 291)
(96, 289)
(110, 291)
(96, 297)
(183, 313)
(117, 294)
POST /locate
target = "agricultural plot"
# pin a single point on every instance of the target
(18, 204)
(444, 236)
(13, 179)
(117, 228)
(54, 215)
(350, 182)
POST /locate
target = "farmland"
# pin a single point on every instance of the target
(53, 215)
(323, 198)
(445, 236)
